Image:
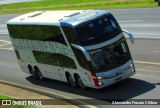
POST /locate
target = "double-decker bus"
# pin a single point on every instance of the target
(85, 48)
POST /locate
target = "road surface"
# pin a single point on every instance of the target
(146, 54)
(3, 2)
(141, 22)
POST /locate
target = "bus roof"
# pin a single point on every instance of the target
(68, 17)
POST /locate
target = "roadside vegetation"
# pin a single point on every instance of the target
(74, 5)
(6, 97)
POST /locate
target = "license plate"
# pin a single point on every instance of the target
(118, 79)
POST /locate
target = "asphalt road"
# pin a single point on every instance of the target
(3, 2)
(141, 22)
(145, 52)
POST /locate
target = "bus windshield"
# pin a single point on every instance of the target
(97, 31)
(110, 56)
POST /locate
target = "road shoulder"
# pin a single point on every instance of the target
(19, 93)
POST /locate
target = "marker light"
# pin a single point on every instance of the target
(99, 77)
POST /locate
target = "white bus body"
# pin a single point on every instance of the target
(83, 48)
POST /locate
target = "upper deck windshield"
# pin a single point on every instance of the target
(97, 31)
(110, 56)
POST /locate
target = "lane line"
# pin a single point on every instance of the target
(145, 37)
(147, 70)
(150, 63)
(9, 49)
(127, 21)
(4, 41)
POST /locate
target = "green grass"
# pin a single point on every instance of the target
(7, 97)
(74, 4)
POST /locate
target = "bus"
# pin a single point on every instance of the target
(85, 48)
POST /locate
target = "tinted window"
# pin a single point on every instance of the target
(65, 61)
(97, 31)
(110, 56)
(81, 59)
(71, 35)
(36, 32)
(54, 59)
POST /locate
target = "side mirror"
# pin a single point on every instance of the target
(83, 50)
(130, 35)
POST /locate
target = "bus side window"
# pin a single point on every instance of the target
(81, 59)
(54, 34)
(37, 32)
(65, 61)
(45, 58)
(70, 34)
(54, 59)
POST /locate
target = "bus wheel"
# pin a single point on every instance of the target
(71, 81)
(32, 72)
(39, 75)
(30, 69)
(80, 82)
(35, 75)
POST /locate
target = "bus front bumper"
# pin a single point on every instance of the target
(106, 82)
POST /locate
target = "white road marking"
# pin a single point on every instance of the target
(144, 37)
(5, 44)
(146, 70)
(150, 63)
(128, 21)
(2, 46)
(5, 41)
(91, 106)
(10, 49)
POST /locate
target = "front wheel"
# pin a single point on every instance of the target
(71, 81)
(80, 82)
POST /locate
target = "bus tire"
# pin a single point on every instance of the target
(32, 72)
(30, 69)
(39, 75)
(71, 80)
(80, 82)
(35, 76)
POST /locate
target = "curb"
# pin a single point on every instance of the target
(49, 94)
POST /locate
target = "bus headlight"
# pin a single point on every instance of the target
(131, 65)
